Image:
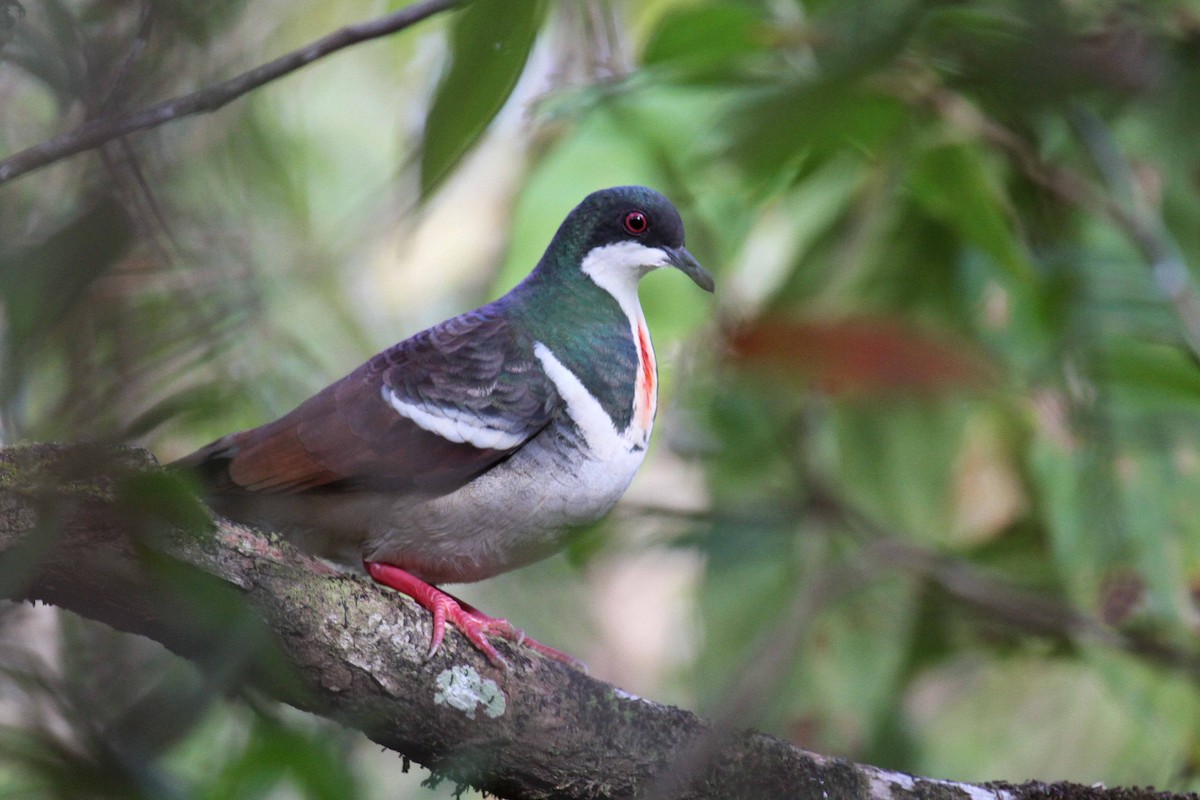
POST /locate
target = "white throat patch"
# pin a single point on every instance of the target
(616, 268)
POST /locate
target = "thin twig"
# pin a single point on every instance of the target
(97, 131)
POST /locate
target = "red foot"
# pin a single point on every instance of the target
(473, 623)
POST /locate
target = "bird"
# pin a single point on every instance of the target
(477, 445)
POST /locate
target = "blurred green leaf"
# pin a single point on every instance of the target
(277, 756)
(774, 130)
(855, 660)
(1080, 503)
(897, 459)
(1152, 375)
(490, 44)
(165, 498)
(758, 444)
(955, 183)
(43, 282)
(839, 684)
(1110, 720)
(1150, 483)
(705, 39)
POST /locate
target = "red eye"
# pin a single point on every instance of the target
(636, 223)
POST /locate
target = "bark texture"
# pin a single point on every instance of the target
(102, 532)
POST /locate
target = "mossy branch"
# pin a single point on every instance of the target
(104, 533)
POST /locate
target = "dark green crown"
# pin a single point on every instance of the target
(601, 219)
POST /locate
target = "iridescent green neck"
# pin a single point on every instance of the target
(585, 328)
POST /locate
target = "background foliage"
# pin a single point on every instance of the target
(924, 488)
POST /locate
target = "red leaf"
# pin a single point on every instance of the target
(862, 356)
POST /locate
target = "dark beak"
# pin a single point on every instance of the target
(688, 265)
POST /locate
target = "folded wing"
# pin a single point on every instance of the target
(428, 414)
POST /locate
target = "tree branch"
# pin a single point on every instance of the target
(87, 528)
(96, 132)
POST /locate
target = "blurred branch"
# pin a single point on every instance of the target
(100, 130)
(987, 593)
(1146, 232)
(999, 599)
(1028, 610)
(355, 653)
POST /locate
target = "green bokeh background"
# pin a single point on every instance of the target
(931, 454)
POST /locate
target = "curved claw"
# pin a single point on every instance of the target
(473, 623)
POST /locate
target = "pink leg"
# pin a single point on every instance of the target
(473, 623)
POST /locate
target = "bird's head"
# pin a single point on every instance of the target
(615, 236)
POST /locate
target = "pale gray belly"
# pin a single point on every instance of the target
(520, 511)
